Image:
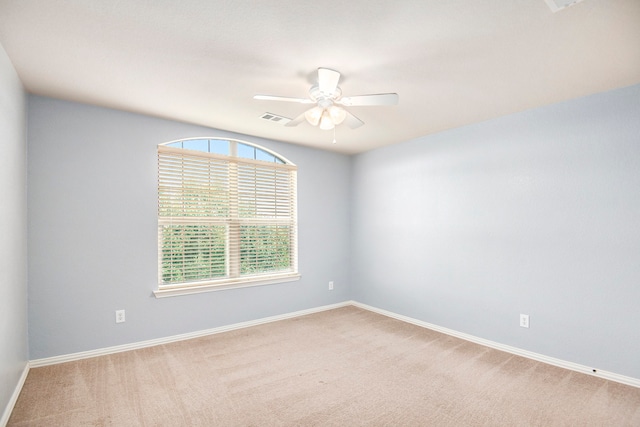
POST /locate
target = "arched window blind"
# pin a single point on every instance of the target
(226, 216)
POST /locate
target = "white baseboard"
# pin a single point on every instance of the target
(14, 397)
(634, 382)
(149, 343)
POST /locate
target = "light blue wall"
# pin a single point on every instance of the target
(535, 213)
(93, 232)
(13, 231)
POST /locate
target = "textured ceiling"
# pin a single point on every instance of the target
(452, 62)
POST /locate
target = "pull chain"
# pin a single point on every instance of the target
(334, 135)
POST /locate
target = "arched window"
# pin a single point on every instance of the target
(226, 216)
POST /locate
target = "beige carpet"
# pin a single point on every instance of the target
(344, 367)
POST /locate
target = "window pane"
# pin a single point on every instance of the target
(246, 151)
(193, 187)
(219, 146)
(192, 252)
(264, 248)
(264, 192)
(196, 144)
(264, 156)
(222, 146)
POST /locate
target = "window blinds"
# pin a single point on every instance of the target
(224, 219)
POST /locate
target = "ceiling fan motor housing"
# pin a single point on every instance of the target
(317, 95)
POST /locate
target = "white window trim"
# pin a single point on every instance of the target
(212, 285)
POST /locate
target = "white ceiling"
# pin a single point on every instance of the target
(452, 62)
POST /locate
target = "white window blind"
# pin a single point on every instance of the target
(224, 220)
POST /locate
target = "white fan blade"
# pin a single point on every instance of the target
(352, 121)
(328, 80)
(295, 122)
(283, 98)
(377, 99)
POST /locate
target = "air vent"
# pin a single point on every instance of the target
(275, 118)
(556, 5)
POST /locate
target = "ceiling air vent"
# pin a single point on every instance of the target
(556, 5)
(275, 118)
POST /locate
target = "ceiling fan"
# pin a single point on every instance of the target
(329, 110)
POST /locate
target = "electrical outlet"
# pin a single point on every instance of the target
(119, 316)
(524, 320)
(331, 285)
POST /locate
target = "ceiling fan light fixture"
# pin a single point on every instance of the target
(337, 114)
(326, 123)
(313, 115)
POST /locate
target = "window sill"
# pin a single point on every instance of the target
(174, 291)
